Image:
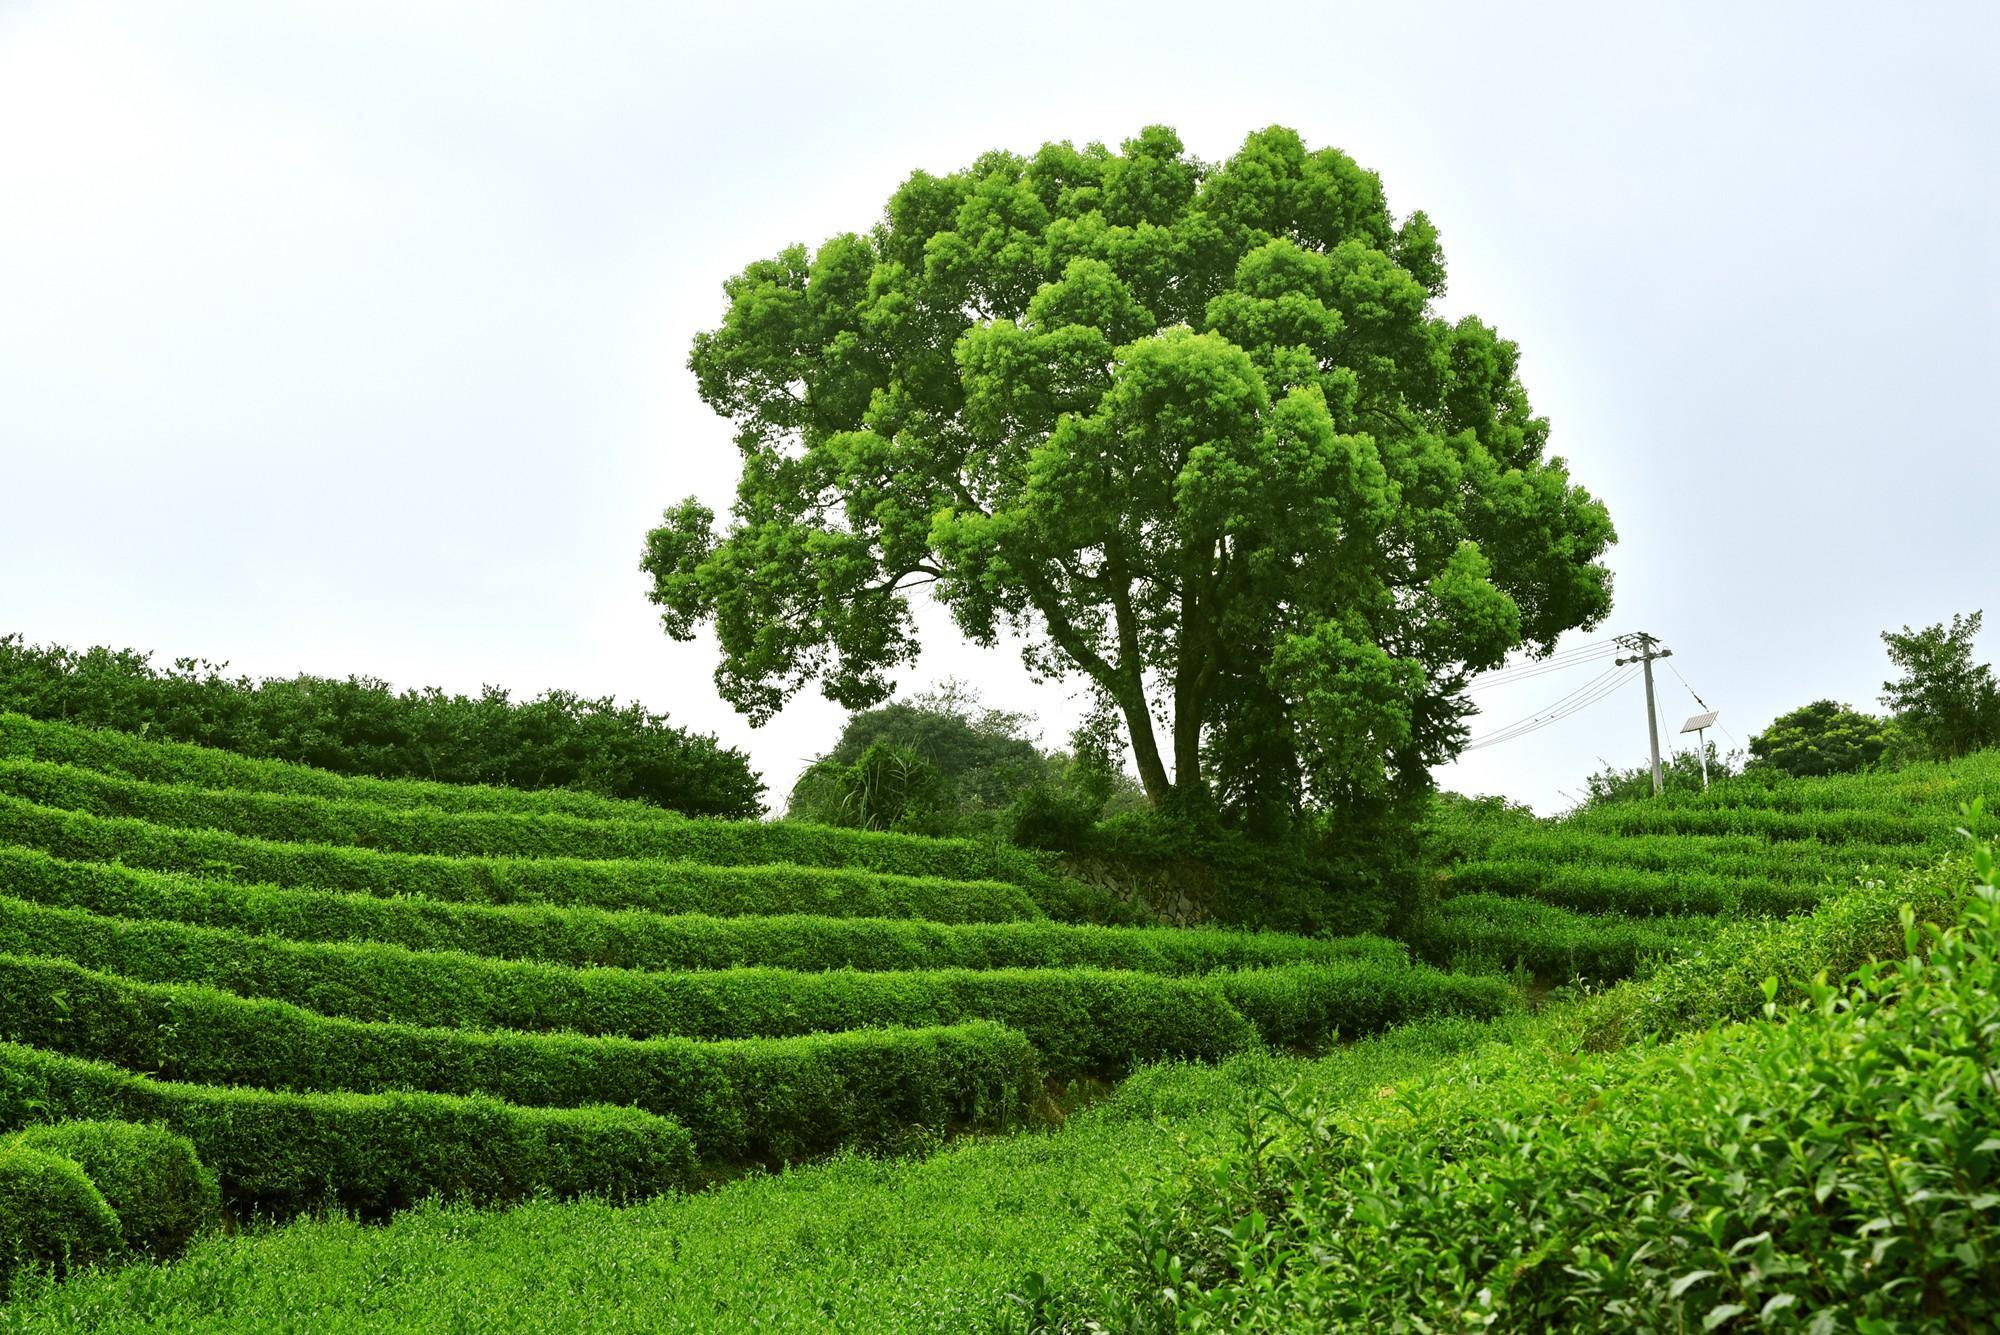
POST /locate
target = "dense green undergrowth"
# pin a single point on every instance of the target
(1830, 1165)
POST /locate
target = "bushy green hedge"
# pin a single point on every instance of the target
(743, 1100)
(282, 1152)
(1305, 1006)
(1858, 825)
(655, 886)
(583, 937)
(1596, 889)
(1081, 1021)
(1723, 978)
(1737, 855)
(360, 726)
(51, 1216)
(495, 834)
(151, 1178)
(155, 761)
(1306, 883)
(1551, 942)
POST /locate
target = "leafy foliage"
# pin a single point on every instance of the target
(1825, 1167)
(587, 937)
(746, 1100)
(1194, 431)
(361, 726)
(886, 787)
(1821, 738)
(1680, 772)
(1944, 702)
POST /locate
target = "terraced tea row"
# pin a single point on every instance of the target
(270, 954)
(281, 1152)
(653, 885)
(409, 821)
(1600, 893)
(587, 937)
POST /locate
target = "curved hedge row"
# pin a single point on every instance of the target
(279, 1153)
(584, 937)
(1720, 854)
(761, 1099)
(1598, 889)
(1927, 788)
(492, 834)
(1081, 1021)
(657, 887)
(1549, 941)
(1837, 825)
(1307, 1006)
(132, 757)
(52, 1216)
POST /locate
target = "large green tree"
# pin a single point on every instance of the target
(1824, 737)
(1945, 703)
(1194, 431)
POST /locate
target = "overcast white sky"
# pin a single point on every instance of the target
(352, 337)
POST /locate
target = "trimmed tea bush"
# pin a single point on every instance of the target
(282, 1152)
(151, 1178)
(749, 1099)
(51, 1217)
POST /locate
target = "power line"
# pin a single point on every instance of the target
(1510, 676)
(1535, 667)
(1554, 714)
(1604, 684)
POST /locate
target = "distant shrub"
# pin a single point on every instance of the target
(51, 1217)
(886, 787)
(1305, 1007)
(362, 726)
(151, 1178)
(1305, 881)
(1456, 828)
(1680, 772)
(1494, 931)
(1048, 816)
(1822, 738)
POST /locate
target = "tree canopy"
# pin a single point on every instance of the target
(1193, 431)
(1945, 703)
(1824, 737)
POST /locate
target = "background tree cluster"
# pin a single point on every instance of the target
(1943, 704)
(1192, 431)
(942, 762)
(362, 726)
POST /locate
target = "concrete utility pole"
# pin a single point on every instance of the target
(1645, 648)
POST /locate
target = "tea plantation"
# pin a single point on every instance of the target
(320, 1027)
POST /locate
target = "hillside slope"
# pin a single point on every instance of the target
(293, 968)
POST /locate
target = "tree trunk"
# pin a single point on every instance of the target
(1146, 748)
